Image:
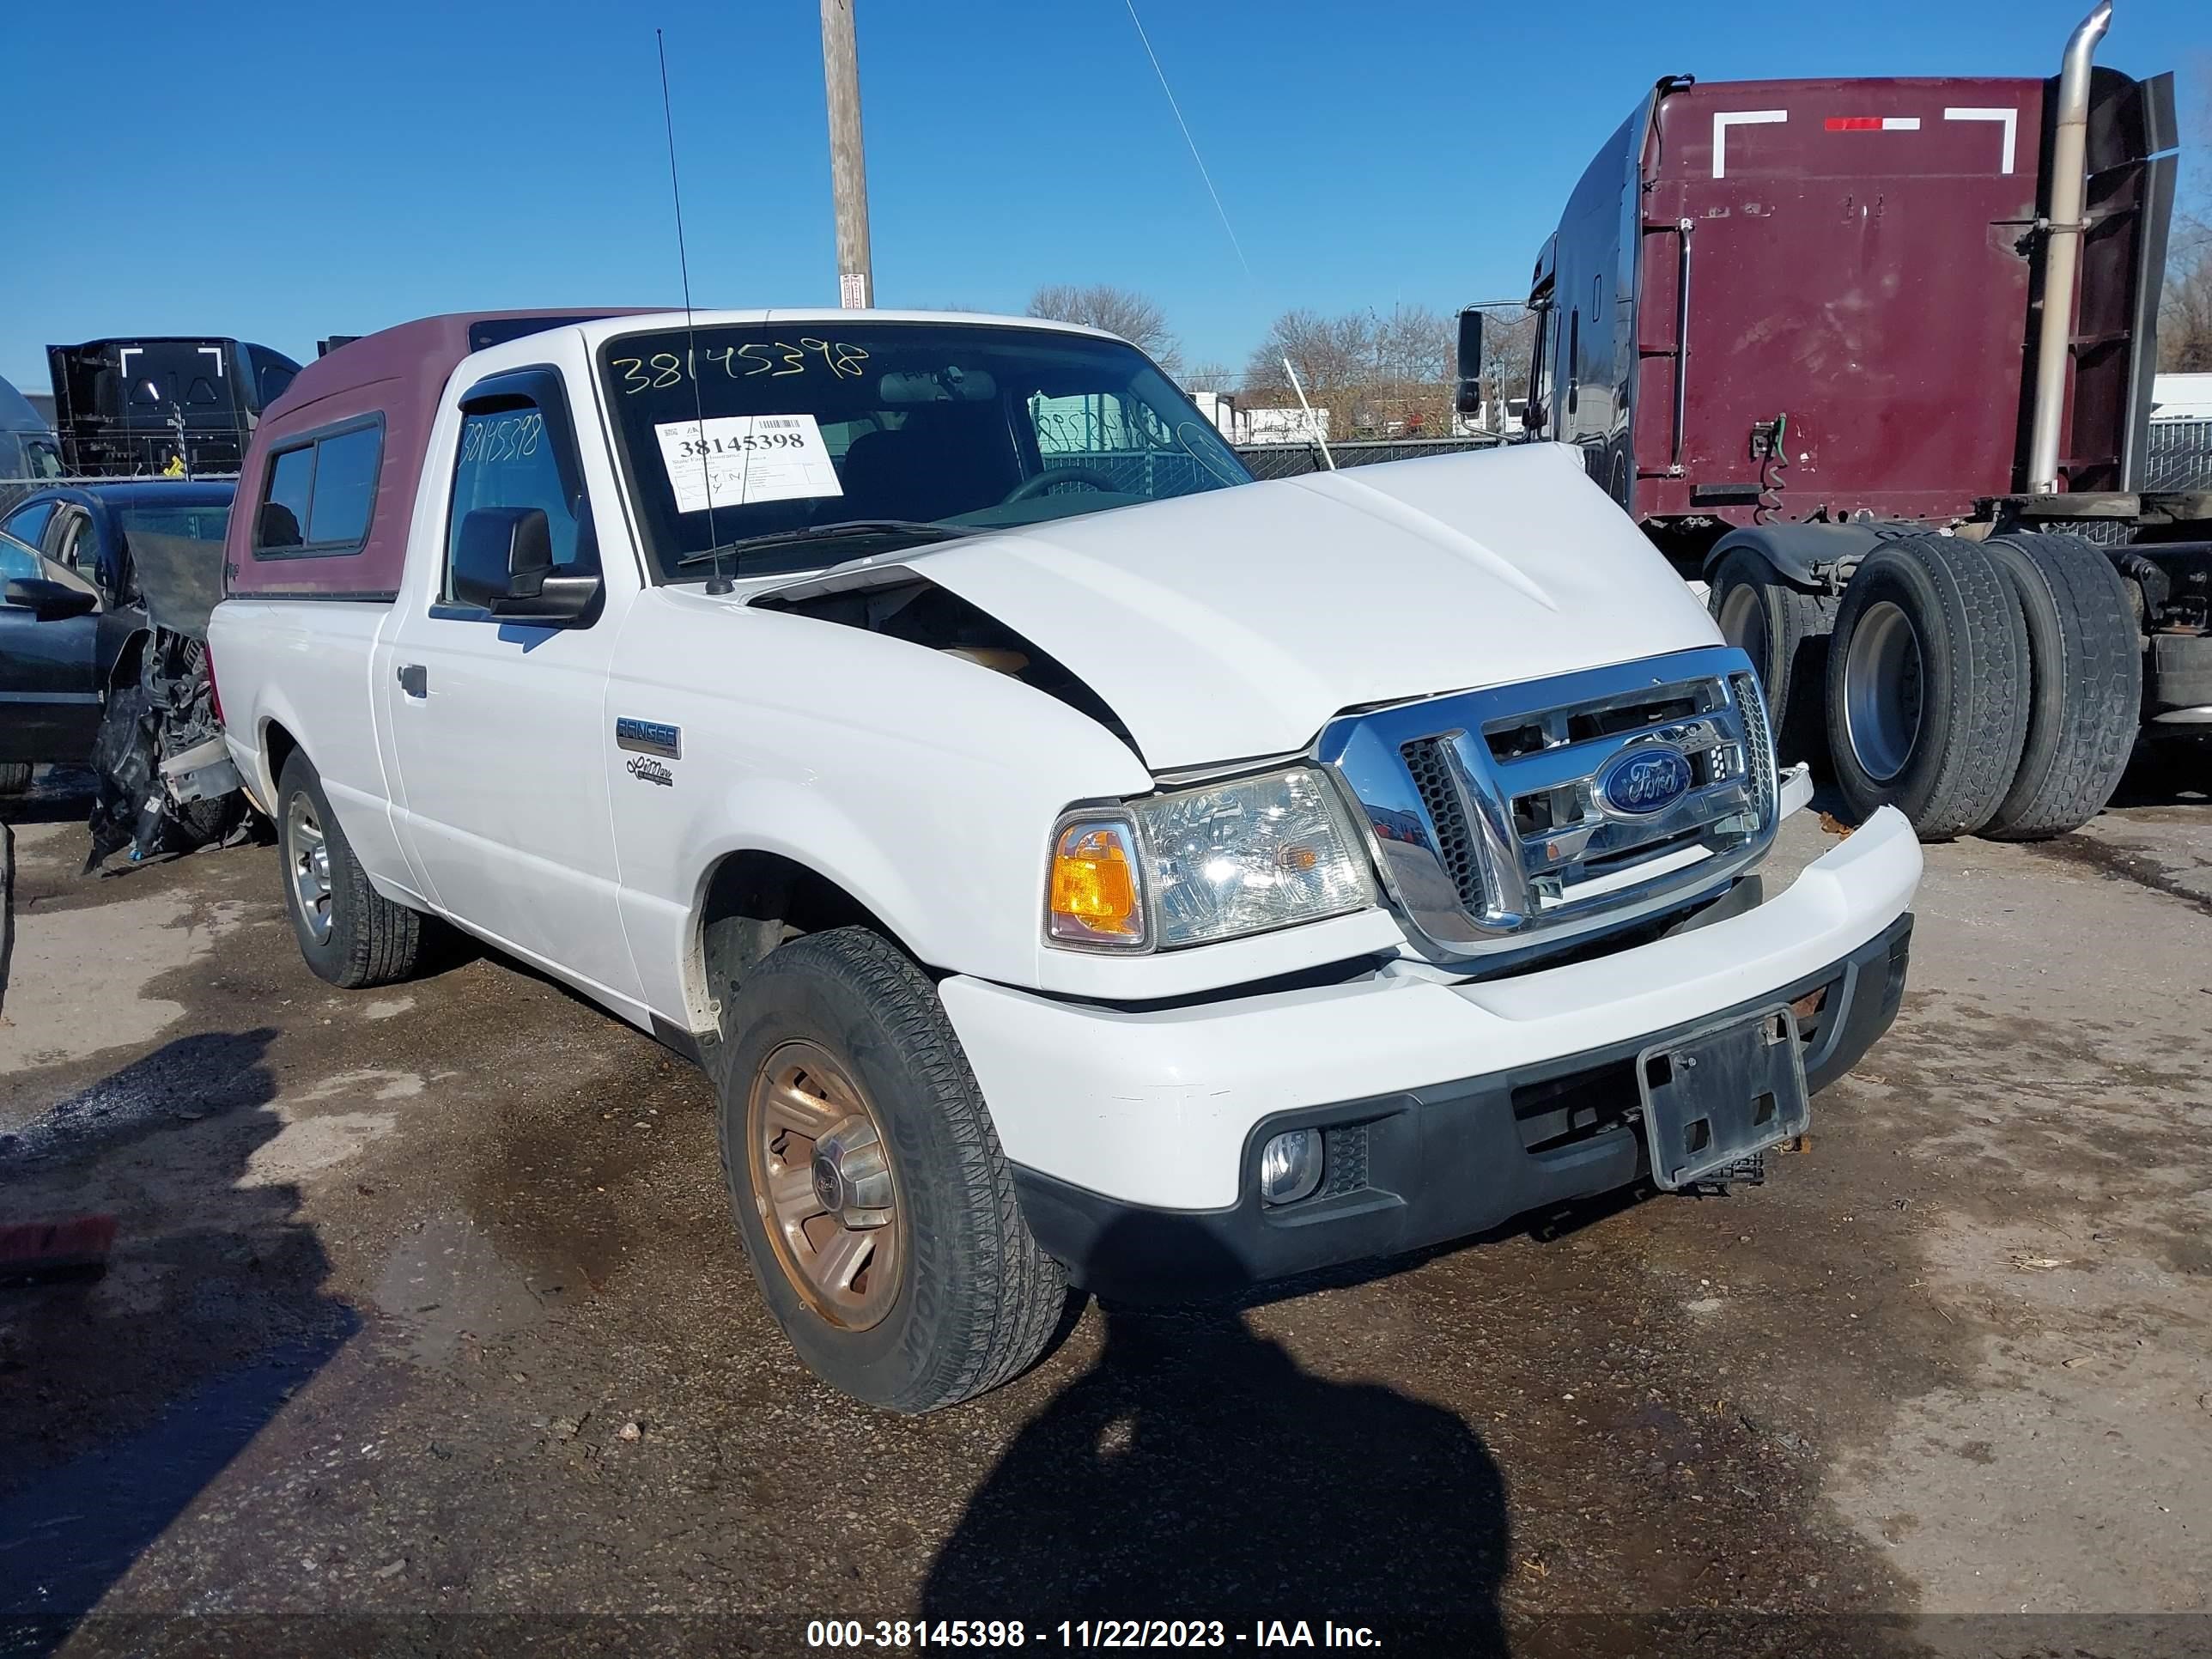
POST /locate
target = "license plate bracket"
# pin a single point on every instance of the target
(1721, 1093)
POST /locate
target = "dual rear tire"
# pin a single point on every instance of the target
(1990, 687)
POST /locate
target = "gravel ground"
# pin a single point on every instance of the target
(426, 1324)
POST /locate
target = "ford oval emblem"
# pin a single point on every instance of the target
(1647, 779)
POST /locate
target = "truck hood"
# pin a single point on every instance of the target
(1236, 623)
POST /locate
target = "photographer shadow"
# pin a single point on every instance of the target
(1198, 1472)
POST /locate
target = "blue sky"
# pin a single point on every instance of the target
(283, 172)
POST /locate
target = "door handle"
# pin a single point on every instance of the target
(414, 679)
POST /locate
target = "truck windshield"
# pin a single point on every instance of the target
(823, 441)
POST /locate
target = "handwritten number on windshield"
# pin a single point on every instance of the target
(774, 358)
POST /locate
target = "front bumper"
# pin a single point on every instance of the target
(1108, 1112)
(1428, 1165)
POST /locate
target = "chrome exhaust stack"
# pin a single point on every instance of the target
(2062, 254)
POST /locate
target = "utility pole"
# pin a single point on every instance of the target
(848, 165)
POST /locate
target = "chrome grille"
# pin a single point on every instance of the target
(1757, 744)
(1455, 851)
(1505, 818)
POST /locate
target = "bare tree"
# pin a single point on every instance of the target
(2184, 312)
(1118, 311)
(1210, 376)
(1379, 375)
(1330, 354)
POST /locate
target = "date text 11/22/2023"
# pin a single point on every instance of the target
(898, 1635)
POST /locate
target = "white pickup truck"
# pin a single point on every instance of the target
(1073, 861)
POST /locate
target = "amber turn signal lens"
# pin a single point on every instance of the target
(1094, 885)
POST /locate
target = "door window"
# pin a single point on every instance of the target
(75, 543)
(18, 562)
(25, 522)
(512, 455)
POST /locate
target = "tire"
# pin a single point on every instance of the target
(15, 777)
(2085, 684)
(1928, 677)
(1785, 631)
(971, 1300)
(358, 937)
(204, 823)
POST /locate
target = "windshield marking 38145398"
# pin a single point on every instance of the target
(777, 456)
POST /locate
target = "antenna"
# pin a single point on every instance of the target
(1250, 283)
(720, 583)
(1312, 425)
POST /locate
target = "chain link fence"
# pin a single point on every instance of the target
(1291, 460)
(2178, 455)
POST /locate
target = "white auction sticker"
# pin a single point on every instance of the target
(734, 459)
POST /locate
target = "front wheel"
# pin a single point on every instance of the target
(867, 1182)
(15, 777)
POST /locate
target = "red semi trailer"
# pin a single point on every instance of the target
(1801, 331)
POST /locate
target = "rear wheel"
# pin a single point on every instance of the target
(350, 933)
(2084, 673)
(1784, 631)
(15, 777)
(1928, 675)
(867, 1182)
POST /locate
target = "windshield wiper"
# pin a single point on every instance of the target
(844, 529)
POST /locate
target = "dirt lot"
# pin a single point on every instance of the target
(426, 1324)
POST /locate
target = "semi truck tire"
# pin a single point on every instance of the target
(866, 1179)
(15, 777)
(2085, 684)
(350, 933)
(1927, 681)
(1784, 630)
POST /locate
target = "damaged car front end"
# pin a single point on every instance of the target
(164, 780)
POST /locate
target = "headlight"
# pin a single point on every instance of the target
(1209, 863)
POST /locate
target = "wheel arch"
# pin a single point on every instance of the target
(276, 746)
(780, 896)
(1802, 555)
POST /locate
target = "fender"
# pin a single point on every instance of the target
(1805, 556)
(774, 816)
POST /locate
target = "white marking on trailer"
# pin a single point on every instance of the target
(1724, 120)
(1900, 124)
(215, 352)
(123, 361)
(2010, 117)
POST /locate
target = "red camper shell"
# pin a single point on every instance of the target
(328, 484)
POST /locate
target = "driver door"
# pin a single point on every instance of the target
(499, 728)
(50, 701)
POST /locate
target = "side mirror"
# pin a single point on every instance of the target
(1469, 399)
(48, 601)
(503, 563)
(1532, 418)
